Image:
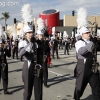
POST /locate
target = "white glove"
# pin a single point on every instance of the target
(90, 46)
(29, 48)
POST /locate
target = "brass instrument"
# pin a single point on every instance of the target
(3, 65)
(56, 37)
(35, 51)
(44, 58)
(68, 40)
(95, 64)
(38, 67)
(37, 70)
(15, 43)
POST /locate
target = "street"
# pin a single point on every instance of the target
(61, 80)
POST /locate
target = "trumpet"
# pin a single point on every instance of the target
(44, 58)
(95, 67)
(3, 65)
(56, 37)
(37, 70)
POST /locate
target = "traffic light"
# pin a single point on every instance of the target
(3, 28)
(73, 13)
(14, 20)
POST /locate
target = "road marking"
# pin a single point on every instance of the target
(51, 72)
(61, 75)
(58, 74)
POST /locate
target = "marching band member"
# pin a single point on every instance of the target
(8, 45)
(32, 74)
(66, 42)
(3, 62)
(60, 40)
(54, 42)
(46, 63)
(45, 49)
(15, 46)
(85, 66)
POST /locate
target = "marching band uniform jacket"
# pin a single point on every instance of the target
(85, 75)
(4, 73)
(28, 76)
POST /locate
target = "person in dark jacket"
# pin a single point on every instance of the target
(4, 51)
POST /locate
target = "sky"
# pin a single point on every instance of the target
(64, 6)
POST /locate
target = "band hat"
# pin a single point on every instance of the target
(15, 36)
(65, 34)
(84, 30)
(41, 26)
(21, 33)
(27, 15)
(53, 33)
(53, 30)
(39, 32)
(27, 28)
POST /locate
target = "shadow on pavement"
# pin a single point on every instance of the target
(14, 62)
(68, 57)
(16, 88)
(59, 79)
(64, 64)
(17, 70)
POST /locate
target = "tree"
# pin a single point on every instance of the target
(1, 18)
(5, 17)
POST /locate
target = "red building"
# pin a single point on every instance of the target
(51, 18)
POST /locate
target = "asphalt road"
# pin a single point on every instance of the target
(61, 80)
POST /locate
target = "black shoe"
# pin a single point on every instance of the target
(57, 57)
(53, 57)
(6, 92)
(47, 86)
(21, 60)
(75, 75)
(77, 99)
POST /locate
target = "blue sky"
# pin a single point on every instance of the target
(64, 6)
